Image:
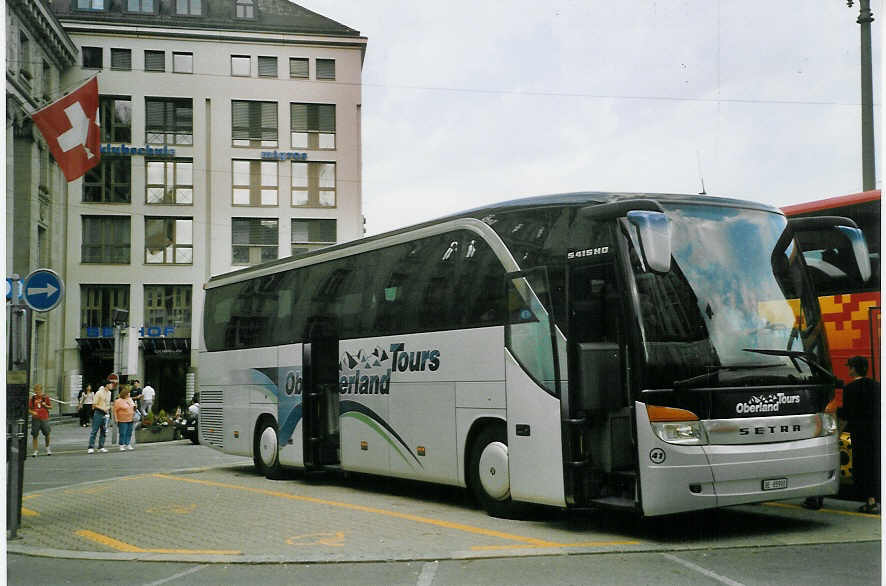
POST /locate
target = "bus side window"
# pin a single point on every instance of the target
(479, 295)
(438, 283)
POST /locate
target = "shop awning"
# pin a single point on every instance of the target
(95, 344)
(162, 345)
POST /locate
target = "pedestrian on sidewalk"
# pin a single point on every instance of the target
(148, 394)
(135, 393)
(101, 410)
(124, 408)
(85, 400)
(861, 410)
(38, 406)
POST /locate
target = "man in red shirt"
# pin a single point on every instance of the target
(38, 407)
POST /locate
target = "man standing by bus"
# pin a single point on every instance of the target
(101, 410)
(861, 410)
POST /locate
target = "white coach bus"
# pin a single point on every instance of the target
(658, 353)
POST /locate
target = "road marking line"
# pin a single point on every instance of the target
(336, 539)
(579, 544)
(426, 578)
(177, 576)
(838, 512)
(426, 520)
(29, 513)
(123, 546)
(703, 571)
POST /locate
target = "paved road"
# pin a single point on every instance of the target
(204, 517)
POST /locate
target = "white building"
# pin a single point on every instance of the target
(231, 136)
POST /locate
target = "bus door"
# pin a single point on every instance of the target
(532, 374)
(599, 450)
(320, 401)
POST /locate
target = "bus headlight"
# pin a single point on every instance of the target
(681, 432)
(828, 424)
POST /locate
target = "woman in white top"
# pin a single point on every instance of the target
(86, 398)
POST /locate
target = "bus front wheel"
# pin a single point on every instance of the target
(489, 477)
(265, 453)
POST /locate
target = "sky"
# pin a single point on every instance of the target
(470, 102)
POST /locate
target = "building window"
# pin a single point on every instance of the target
(189, 7)
(254, 124)
(254, 183)
(244, 8)
(92, 57)
(47, 81)
(313, 185)
(97, 305)
(183, 63)
(312, 126)
(241, 65)
(310, 234)
(267, 67)
(109, 181)
(169, 182)
(24, 55)
(155, 61)
(145, 6)
(116, 118)
(254, 240)
(169, 241)
(105, 240)
(298, 68)
(169, 306)
(90, 4)
(325, 68)
(169, 121)
(121, 59)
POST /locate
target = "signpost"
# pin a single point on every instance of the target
(40, 291)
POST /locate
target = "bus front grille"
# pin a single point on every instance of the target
(212, 425)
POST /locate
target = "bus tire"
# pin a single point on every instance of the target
(266, 449)
(488, 476)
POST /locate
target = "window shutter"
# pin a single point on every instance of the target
(121, 59)
(325, 68)
(267, 67)
(155, 61)
(326, 117)
(155, 114)
(268, 120)
(240, 117)
(298, 67)
(299, 117)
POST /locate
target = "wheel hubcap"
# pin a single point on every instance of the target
(494, 473)
(267, 446)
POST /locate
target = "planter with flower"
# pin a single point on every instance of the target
(155, 428)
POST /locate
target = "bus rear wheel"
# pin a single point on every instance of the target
(265, 451)
(488, 473)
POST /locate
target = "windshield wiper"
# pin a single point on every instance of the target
(689, 382)
(794, 355)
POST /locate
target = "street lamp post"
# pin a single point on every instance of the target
(865, 18)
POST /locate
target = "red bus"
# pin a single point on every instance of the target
(850, 307)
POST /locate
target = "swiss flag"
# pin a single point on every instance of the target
(71, 129)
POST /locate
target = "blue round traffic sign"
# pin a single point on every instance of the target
(43, 290)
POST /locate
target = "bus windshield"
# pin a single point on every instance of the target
(726, 294)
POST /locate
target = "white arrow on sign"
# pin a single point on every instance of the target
(48, 290)
(79, 131)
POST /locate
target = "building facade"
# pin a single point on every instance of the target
(37, 52)
(230, 137)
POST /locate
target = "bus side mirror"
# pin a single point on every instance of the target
(843, 226)
(859, 249)
(654, 231)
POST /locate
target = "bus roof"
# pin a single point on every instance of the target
(582, 198)
(831, 203)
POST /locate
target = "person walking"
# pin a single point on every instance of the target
(148, 395)
(101, 409)
(38, 406)
(135, 393)
(87, 395)
(861, 411)
(124, 409)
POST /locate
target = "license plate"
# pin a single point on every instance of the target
(775, 484)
